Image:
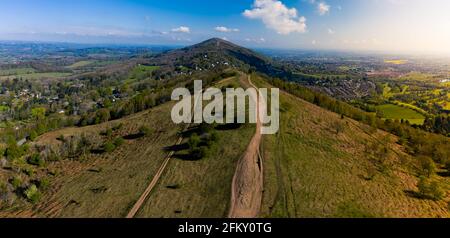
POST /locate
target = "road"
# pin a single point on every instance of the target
(247, 184)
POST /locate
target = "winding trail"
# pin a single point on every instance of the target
(247, 184)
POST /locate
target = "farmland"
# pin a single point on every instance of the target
(80, 64)
(33, 76)
(395, 112)
(396, 62)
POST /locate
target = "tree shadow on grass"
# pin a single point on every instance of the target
(185, 157)
(133, 136)
(418, 195)
(97, 151)
(187, 133)
(177, 148)
(227, 127)
(444, 173)
(412, 194)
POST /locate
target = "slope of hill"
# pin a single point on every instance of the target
(216, 52)
(320, 165)
(104, 184)
(107, 184)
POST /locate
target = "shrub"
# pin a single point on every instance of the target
(109, 147)
(16, 182)
(427, 166)
(144, 131)
(29, 171)
(33, 135)
(430, 189)
(37, 160)
(199, 152)
(107, 132)
(44, 183)
(211, 138)
(338, 127)
(32, 194)
(118, 141)
(194, 141)
(13, 151)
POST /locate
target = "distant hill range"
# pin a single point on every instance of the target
(219, 53)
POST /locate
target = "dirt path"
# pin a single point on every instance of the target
(144, 195)
(247, 185)
(152, 184)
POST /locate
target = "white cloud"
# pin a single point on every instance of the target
(323, 8)
(331, 31)
(181, 29)
(260, 40)
(225, 29)
(276, 16)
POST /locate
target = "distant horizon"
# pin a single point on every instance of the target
(396, 26)
(178, 46)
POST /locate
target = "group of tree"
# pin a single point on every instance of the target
(418, 142)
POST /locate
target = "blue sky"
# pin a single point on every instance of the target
(376, 25)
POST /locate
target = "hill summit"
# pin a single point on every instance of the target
(217, 52)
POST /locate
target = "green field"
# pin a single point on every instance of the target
(141, 72)
(391, 111)
(417, 76)
(32, 76)
(18, 71)
(80, 64)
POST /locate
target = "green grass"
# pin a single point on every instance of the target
(105, 185)
(312, 171)
(203, 186)
(391, 111)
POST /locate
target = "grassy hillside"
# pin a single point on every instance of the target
(105, 184)
(201, 188)
(320, 165)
